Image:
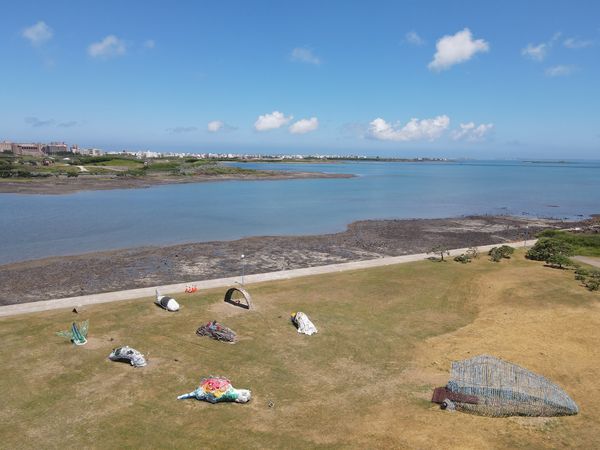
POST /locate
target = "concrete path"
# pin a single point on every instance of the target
(588, 260)
(92, 299)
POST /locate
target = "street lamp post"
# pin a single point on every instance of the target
(243, 264)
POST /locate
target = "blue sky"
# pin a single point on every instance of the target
(474, 79)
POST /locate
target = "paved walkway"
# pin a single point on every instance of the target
(588, 260)
(92, 299)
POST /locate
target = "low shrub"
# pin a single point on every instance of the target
(464, 258)
(498, 253)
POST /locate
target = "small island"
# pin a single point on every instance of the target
(67, 173)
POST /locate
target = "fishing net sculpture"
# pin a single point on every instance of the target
(238, 296)
(217, 390)
(489, 386)
(77, 334)
(216, 331)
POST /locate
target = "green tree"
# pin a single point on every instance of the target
(552, 251)
(440, 249)
(559, 260)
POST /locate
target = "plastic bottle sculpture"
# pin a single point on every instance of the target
(168, 303)
(77, 334)
(216, 390)
(489, 386)
(303, 323)
(128, 354)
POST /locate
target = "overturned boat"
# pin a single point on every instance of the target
(489, 386)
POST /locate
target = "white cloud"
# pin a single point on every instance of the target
(304, 126)
(415, 129)
(215, 126)
(69, 124)
(577, 43)
(304, 55)
(413, 38)
(470, 132)
(36, 122)
(149, 43)
(38, 34)
(271, 121)
(455, 49)
(180, 130)
(560, 71)
(535, 52)
(107, 47)
(539, 52)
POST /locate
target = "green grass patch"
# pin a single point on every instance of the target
(584, 244)
(119, 162)
(347, 386)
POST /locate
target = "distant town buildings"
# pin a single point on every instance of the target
(53, 148)
(60, 148)
(5, 146)
(29, 149)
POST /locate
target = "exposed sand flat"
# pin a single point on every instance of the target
(60, 277)
(108, 297)
(68, 185)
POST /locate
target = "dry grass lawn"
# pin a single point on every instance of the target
(386, 339)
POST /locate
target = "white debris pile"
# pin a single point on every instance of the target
(128, 354)
(303, 323)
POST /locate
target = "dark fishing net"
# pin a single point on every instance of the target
(216, 331)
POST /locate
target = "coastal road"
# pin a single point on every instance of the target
(588, 260)
(107, 297)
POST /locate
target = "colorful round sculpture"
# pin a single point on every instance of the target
(216, 390)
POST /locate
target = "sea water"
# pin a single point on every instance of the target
(35, 226)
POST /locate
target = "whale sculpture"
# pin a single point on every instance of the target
(217, 390)
(77, 334)
(489, 386)
(303, 323)
(168, 303)
(128, 354)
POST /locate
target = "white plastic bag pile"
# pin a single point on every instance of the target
(303, 323)
(128, 354)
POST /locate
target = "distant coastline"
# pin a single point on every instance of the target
(67, 185)
(68, 173)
